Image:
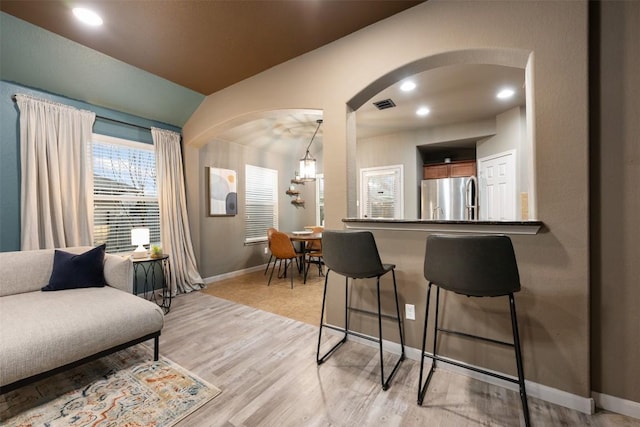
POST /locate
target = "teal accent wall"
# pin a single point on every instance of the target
(35, 57)
(10, 149)
(9, 172)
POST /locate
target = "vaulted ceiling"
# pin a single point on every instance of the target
(206, 45)
(159, 59)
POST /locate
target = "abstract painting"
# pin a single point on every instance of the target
(223, 198)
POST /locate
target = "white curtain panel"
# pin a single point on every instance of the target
(56, 189)
(174, 223)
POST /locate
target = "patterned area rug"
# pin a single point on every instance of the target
(123, 389)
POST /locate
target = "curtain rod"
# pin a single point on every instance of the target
(123, 123)
(13, 97)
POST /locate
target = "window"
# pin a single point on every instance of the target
(124, 191)
(261, 202)
(381, 192)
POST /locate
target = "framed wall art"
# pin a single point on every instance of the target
(223, 197)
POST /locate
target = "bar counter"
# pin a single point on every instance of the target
(442, 226)
(402, 242)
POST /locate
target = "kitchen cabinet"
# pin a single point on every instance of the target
(460, 169)
(436, 171)
(449, 170)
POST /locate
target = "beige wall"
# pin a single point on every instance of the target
(221, 248)
(394, 149)
(615, 232)
(554, 303)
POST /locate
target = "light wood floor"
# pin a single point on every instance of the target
(265, 365)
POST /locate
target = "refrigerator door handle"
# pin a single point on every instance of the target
(436, 211)
(471, 198)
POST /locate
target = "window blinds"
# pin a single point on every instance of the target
(382, 200)
(125, 192)
(382, 192)
(261, 202)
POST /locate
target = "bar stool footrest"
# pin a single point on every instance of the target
(321, 360)
(471, 368)
(477, 337)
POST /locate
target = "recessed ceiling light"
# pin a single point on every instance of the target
(408, 86)
(505, 93)
(423, 111)
(87, 16)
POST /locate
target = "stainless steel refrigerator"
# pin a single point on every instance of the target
(449, 199)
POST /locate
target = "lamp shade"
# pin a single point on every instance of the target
(308, 163)
(307, 168)
(139, 236)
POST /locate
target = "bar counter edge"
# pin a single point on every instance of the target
(442, 226)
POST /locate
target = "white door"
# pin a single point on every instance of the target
(497, 182)
(381, 192)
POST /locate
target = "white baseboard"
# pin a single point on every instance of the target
(617, 405)
(558, 397)
(219, 277)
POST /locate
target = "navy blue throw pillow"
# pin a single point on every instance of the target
(71, 271)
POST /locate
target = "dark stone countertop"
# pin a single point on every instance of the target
(462, 226)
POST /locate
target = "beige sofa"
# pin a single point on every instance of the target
(42, 333)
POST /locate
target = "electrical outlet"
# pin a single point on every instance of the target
(266, 251)
(410, 312)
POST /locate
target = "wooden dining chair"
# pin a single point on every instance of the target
(270, 231)
(282, 250)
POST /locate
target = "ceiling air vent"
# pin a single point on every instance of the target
(384, 104)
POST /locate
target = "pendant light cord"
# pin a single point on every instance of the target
(314, 135)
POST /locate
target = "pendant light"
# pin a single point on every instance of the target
(308, 163)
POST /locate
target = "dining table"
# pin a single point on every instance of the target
(305, 238)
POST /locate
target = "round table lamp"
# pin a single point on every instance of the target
(140, 237)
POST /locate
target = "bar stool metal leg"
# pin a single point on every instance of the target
(516, 341)
(422, 388)
(324, 299)
(385, 382)
(475, 266)
(402, 356)
(385, 385)
(395, 293)
(346, 306)
(320, 360)
(355, 255)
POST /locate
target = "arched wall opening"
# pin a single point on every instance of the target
(516, 58)
(272, 139)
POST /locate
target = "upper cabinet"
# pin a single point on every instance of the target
(449, 170)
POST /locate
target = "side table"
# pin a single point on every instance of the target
(154, 287)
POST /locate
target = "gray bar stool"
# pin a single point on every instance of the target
(475, 266)
(355, 255)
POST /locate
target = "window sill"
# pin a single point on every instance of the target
(256, 242)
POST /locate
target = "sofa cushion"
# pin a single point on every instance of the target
(24, 271)
(72, 271)
(29, 271)
(40, 331)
